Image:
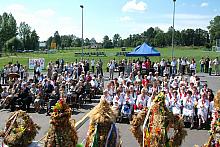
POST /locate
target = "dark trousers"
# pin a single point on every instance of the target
(93, 69)
(210, 71)
(206, 68)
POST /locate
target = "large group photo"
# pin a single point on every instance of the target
(67, 83)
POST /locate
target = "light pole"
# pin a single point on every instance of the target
(173, 29)
(81, 6)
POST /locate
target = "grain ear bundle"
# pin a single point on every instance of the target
(102, 130)
(20, 130)
(62, 132)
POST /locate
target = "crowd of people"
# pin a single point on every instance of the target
(135, 86)
(185, 96)
(71, 82)
(207, 65)
(164, 67)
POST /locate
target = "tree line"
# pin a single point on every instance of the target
(13, 37)
(153, 36)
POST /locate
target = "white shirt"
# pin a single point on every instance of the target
(118, 100)
(192, 66)
(173, 63)
(92, 62)
(162, 63)
(94, 83)
(111, 66)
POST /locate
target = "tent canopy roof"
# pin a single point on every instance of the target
(144, 50)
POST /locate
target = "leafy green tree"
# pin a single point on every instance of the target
(159, 40)
(150, 34)
(116, 38)
(34, 44)
(87, 42)
(48, 42)
(168, 36)
(57, 39)
(78, 42)
(13, 44)
(214, 28)
(66, 41)
(93, 41)
(8, 28)
(107, 43)
(24, 33)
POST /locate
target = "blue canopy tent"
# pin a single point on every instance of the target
(143, 50)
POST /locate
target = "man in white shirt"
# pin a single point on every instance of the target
(162, 66)
(111, 69)
(174, 65)
(93, 65)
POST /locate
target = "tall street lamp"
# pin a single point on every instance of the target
(173, 29)
(81, 6)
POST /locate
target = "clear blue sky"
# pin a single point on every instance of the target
(108, 17)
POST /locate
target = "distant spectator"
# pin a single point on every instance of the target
(202, 64)
(93, 65)
(216, 63)
(210, 66)
(207, 64)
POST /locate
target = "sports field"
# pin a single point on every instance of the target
(69, 55)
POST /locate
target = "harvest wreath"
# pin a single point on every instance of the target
(160, 126)
(102, 129)
(20, 130)
(62, 132)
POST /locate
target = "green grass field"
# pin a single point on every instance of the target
(69, 55)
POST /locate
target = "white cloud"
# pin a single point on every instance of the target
(125, 19)
(133, 5)
(204, 4)
(44, 21)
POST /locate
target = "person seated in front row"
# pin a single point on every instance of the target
(203, 106)
(188, 108)
(176, 104)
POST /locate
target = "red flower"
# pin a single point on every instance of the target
(61, 101)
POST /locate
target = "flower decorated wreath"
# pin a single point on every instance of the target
(62, 132)
(158, 126)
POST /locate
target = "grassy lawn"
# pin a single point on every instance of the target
(69, 55)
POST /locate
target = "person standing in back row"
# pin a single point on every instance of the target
(202, 63)
(93, 65)
(216, 63)
(207, 64)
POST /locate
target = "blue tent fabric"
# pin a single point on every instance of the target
(144, 50)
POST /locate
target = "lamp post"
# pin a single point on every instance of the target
(81, 6)
(0, 44)
(173, 29)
